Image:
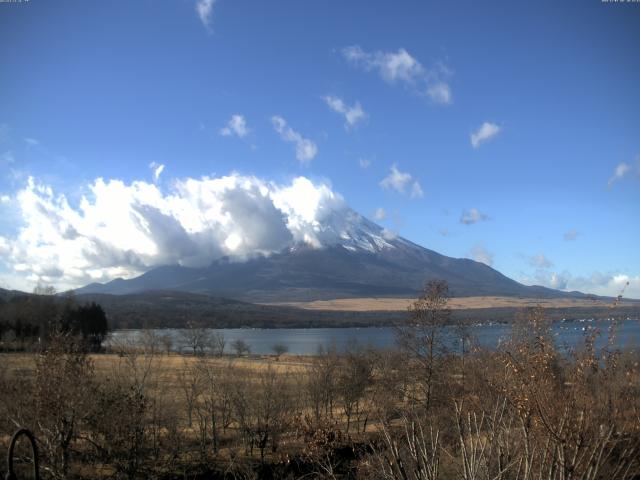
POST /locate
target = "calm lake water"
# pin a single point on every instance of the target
(306, 341)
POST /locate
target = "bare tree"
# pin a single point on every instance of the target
(322, 383)
(355, 375)
(264, 410)
(279, 349)
(195, 338)
(190, 385)
(422, 337)
(150, 341)
(213, 405)
(241, 347)
(167, 343)
(217, 344)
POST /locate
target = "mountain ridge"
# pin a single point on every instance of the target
(360, 259)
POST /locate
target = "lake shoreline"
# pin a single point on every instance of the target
(306, 341)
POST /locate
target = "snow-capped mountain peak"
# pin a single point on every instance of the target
(354, 232)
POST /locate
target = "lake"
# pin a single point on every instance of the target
(306, 341)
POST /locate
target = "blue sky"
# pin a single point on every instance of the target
(513, 128)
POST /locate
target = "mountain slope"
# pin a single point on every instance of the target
(361, 259)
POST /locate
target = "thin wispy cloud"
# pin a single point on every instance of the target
(364, 163)
(439, 92)
(156, 169)
(479, 253)
(380, 214)
(236, 126)
(540, 261)
(486, 132)
(570, 235)
(416, 190)
(622, 170)
(557, 280)
(7, 158)
(306, 150)
(402, 182)
(389, 235)
(204, 8)
(469, 217)
(402, 68)
(352, 114)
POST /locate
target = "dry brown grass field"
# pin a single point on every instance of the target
(524, 410)
(167, 367)
(462, 303)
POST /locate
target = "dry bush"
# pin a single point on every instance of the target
(117, 429)
(63, 399)
(265, 410)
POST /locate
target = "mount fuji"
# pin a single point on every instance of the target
(358, 258)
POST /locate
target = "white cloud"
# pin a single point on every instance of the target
(570, 235)
(352, 115)
(472, 216)
(621, 170)
(540, 261)
(486, 131)
(364, 163)
(204, 8)
(480, 254)
(401, 67)
(380, 214)
(598, 283)
(559, 281)
(157, 169)
(416, 190)
(121, 230)
(306, 150)
(439, 92)
(5, 199)
(402, 182)
(237, 125)
(389, 235)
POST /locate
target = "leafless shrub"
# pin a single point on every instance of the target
(279, 349)
(321, 386)
(241, 347)
(62, 398)
(264, 410)
(411, 453)
(355, 375)
(117, 429)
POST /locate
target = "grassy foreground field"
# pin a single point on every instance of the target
(167, 368)
(520, 412)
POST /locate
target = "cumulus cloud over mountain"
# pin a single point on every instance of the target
(122, 229)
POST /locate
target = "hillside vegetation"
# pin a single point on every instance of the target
(523, 411)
